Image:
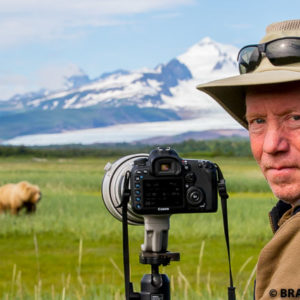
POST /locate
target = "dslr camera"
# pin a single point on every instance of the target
(161, 183)
(164, 183)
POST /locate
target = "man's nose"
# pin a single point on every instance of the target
(275, 141)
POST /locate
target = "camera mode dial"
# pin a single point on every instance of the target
(195, 197)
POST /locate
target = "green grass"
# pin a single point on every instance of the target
(40, 256)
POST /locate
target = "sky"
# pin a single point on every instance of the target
(44, 41)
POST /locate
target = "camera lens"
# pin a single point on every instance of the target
(195, 197)
(113, 185)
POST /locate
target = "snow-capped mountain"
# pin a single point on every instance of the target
(143, 88)
(165, 93)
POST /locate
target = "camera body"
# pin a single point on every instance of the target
(164, 183)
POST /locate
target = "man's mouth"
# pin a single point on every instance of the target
(281, 170)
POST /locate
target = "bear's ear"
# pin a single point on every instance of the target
(23, 185)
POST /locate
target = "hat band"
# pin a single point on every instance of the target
(280, 52)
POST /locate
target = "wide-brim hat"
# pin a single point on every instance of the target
(230, 92)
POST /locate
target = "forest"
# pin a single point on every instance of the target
(209, 148)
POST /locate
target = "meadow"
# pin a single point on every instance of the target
(72, 247)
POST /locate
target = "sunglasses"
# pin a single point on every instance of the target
(280, 52)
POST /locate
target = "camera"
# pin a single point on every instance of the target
(164, 183)
(161, 183)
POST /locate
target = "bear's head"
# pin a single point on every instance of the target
(31, 193)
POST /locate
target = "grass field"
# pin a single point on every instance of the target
(72, 248)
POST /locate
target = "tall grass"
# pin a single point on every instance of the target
(75, 288)
(71, 248)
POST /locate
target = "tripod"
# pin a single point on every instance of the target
(154, 286)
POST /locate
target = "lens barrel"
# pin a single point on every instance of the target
(113, 185)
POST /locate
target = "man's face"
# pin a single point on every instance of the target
(273, 115)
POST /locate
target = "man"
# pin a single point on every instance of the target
(265, 99)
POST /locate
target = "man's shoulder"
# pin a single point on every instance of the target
(291, 226)
(277, 212)
(277, 266)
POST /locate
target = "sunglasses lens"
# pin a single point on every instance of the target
(248, 59)
(285, 51)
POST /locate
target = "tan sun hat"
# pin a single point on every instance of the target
(230, 92)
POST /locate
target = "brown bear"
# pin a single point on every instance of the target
(14, 197)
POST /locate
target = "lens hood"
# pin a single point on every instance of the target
(113, 185)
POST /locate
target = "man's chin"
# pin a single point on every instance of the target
(286, 194)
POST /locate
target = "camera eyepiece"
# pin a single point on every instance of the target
(164, 162)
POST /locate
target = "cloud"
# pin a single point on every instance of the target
(54, 77)
(11, 84)
(88, 7)
(50, 77)
(24, 21)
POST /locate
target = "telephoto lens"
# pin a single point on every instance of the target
(113, 185)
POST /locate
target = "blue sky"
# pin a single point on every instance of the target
(44, 40)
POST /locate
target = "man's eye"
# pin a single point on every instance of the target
(296, 117)
(258, 121)
(256, 125)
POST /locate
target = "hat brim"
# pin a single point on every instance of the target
(230, 92)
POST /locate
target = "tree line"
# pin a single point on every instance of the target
(207, 148)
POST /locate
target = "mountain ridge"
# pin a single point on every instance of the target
(164, 93)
